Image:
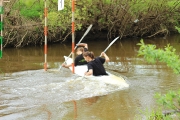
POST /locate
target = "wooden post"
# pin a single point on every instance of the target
(45, 35)
(73, 30)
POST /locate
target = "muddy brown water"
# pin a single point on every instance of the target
(27, 92)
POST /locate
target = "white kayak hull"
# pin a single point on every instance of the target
(109, 79)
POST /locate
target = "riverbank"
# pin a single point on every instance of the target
(24, 20)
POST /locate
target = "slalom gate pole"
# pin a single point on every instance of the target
(73, 30)
(45, 35)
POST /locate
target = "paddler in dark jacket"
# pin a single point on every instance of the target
(79, 60)
(95, 65)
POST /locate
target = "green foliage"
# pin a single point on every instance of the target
(177, 28)
(62, 19)
(116, 17)
(167, 109)
(152, 115)
(170, 101)
(107, 1)
(54, 19)
(141, 6)
(29, 8)
(168, 55)
(1, 71)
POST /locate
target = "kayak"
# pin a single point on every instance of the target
(108, 79)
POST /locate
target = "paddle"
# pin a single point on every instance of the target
(78, 43)
(110, 45)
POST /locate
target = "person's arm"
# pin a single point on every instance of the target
(83, 44)
(66, 66)
(90, 72)
(105, 56)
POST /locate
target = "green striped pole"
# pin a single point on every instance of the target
(1, 42)
(1, 27)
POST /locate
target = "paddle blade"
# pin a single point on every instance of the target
(88, 30)
(111, 44)
(84, 35)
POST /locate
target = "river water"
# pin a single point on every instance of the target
(27, 92)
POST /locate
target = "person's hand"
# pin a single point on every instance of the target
(103, 54)
(85, 73)
(63, 65)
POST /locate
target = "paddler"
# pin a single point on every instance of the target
(95, 65)
(79, 60)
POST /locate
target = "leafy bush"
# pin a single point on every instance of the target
(30, 9)
(171, 100)
(168, 55)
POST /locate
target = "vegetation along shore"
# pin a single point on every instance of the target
(24, 20)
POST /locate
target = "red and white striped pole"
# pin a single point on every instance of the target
(73, 30)
(45, 35)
